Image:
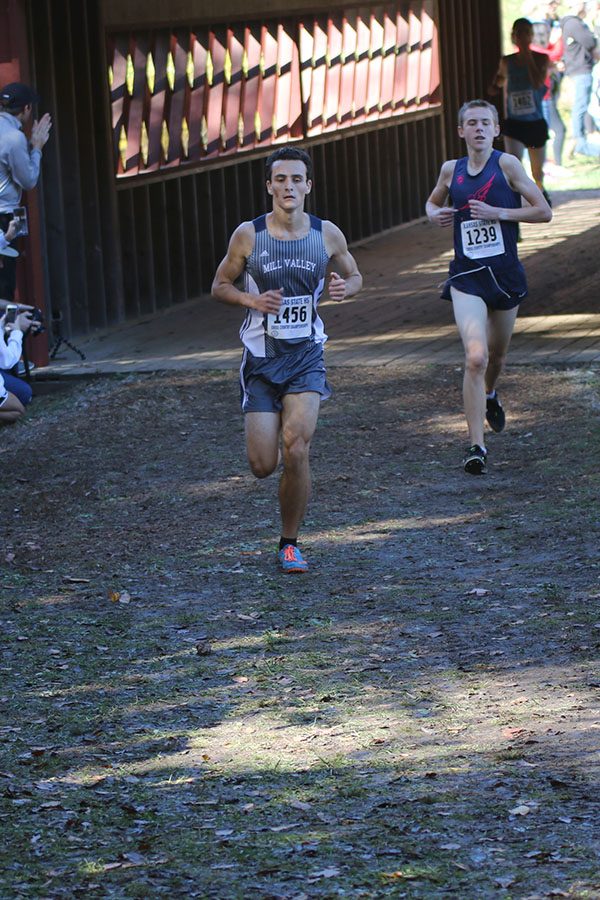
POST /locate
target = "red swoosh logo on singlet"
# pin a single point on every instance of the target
(480, 194)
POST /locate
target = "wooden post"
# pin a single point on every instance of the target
(14, 66)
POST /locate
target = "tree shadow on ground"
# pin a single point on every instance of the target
(417, 716)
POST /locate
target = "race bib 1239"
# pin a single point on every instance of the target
(481, 237)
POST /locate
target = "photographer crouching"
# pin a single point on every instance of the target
(16, 321)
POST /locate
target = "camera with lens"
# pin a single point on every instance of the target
(38, 325)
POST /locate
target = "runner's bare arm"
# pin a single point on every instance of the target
(345, 280)
(500, 78)
(232, 266)
(437, 211)
(537, 208)
(537, 67)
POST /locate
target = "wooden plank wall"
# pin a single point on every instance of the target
(82, 232)
(120, 250)
(470, 41)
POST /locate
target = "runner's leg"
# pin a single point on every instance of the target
(537, 157)
(500, 325)
(471, 315)
(298, 423)
(514, 147)
(262, 441)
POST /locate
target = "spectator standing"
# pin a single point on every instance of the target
(550, 42)
(19, 162)
(551, 16)
(579, 55)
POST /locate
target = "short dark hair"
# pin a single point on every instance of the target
(473, 104)
(520, 25)
(288, 153)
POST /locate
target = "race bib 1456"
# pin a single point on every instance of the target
(294, 319)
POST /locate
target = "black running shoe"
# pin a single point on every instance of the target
(494, 413)
(475, 461)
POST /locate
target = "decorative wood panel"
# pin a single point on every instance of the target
(243, 87)
(192, 111)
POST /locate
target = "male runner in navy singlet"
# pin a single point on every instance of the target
(487, 282)
(284, 257)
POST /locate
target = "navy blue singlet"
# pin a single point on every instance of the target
(485, 261)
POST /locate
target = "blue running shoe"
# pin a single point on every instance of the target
(290, 559)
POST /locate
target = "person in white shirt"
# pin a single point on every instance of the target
(10, 353)
(11, 407)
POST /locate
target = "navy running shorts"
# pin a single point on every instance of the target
(497, 290)
(264, 381)
(532, 134)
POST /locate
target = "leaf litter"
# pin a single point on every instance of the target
(159, 742)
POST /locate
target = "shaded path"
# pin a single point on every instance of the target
(398, 317)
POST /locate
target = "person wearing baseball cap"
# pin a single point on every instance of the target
(19, 162)
(17, 96)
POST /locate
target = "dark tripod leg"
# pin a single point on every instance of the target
(61, 340)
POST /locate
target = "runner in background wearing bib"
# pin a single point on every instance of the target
(523, 75)
(283, 258)
(487, 281)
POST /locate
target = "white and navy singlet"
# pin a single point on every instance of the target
(299, 268)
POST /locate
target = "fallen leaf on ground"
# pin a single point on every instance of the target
(300, 804)
(399, 875)
(329, 872)
(277, 828)
(513, 733)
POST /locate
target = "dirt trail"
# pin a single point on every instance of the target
(417, 717)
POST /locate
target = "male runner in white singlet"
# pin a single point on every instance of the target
(284, 257)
